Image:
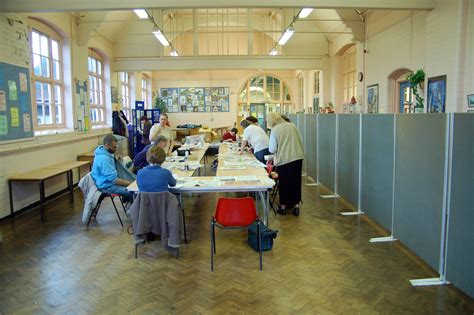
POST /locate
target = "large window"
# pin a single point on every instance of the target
(349, 83)
(264, 90)
(145, 91)
(47, 78)
(300, 81)
(125, 90)
(96, 87)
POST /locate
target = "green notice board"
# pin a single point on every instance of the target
(16, 120)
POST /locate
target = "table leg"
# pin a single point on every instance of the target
(70, 186)
(41, 188)
(265, 201)
(11, 196)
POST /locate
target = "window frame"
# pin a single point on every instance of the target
(42, 29)
(348, 74)
(125, 86)
(145, 91)
(96, 57)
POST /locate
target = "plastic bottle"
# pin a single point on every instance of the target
(186, 160)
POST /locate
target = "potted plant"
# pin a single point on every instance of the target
(160, 104)
(417, 79)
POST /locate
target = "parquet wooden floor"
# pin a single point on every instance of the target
(322, 263)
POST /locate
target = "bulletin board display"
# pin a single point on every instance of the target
(16, 119)
(196, 99)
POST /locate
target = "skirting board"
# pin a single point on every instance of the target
(382, 239)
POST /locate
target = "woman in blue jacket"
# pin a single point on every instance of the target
(154, 178)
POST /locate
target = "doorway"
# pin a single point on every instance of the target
(258, 110)
(406, 98)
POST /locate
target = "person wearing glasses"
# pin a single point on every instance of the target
(104, 172)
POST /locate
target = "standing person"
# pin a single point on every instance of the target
(163, 129)
(252, 119)
(104, 172)
(286, 144)
(154, 178)
(230, 136)
(257, 138)
(145, 130)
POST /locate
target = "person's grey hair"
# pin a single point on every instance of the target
(161, 138)
(245, 123)
(109, 139)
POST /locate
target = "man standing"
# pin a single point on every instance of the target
(104, 172)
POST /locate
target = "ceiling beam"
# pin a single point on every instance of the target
(220, 63)
(94, 5)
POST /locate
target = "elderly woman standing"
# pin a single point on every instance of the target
(286, 144)
(163, 129)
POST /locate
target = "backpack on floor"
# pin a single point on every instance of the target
(266, 235)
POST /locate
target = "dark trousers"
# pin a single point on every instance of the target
(289, 180)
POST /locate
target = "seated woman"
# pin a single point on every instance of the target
(139, 161)
(154, 178)
(230, 136)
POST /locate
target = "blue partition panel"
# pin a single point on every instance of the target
(326, 149)
(419, 180)
(348, 158)
(460, 262)
(311, 146)
(377, 168)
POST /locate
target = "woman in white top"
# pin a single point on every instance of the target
(257, 138)
(287, 146)
(163, 129)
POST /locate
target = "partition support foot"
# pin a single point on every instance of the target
(428, 282)
(329, 196)
(311, 184)
(358, 212)
(382, 239)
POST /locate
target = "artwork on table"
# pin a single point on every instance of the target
(197, 99)
(373, 99)
(470, 100)
(436, 94)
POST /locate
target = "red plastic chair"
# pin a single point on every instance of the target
(232, 213)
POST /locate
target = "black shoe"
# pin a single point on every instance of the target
(281, 211)
(296, 211)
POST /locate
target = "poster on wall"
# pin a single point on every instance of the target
(196, 99)
(373, 99)
(470, 100)
(436, 94)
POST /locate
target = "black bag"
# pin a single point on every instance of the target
(266, 234)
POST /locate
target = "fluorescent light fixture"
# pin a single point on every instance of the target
(174, 53)
(305, 12)
(286, 36)
(273, 52)
(141, 13)
(161, 37)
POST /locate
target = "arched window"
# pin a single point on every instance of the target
(96, 87)
(47, 77)
(146, 90)
(265, 90)
(125, 92)
(348, 74)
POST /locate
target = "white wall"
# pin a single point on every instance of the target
(213, 78)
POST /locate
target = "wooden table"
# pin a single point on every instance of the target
(196, 155)
(43, 174)
(88, 156)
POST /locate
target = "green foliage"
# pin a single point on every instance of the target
(415, 79)
(160, 104)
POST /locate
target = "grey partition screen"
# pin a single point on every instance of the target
(377, 168)
(419, 181)
(348, 158)
(326, 149)
(300, 119)
(293, 118)
(311, 146)
(460, 261)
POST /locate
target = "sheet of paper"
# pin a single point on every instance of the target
(24, 103)
(26, 123)
(3, 101)
(247, 178)
(3, 125)
(23, 82)
(12, 91)
(15, 116)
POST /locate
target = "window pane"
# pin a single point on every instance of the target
(56, 70)
(99, 67)
(89, 64)
(101, 98)
(100, 84)
(40, 114)
(55, 49)
(94, 65)
(35, 43)
(44, 46)
(37, 65)
(45, 67)
(58, 102)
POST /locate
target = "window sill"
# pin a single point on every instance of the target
(97, 127)
(41, 133)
